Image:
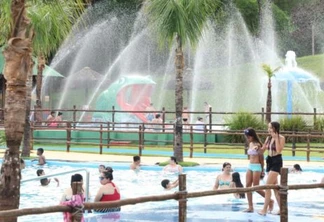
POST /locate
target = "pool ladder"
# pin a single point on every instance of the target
(62, 173)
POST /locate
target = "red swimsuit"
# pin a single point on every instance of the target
(111, 197)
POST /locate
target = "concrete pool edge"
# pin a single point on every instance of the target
(148, 160)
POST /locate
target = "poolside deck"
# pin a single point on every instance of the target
(148, 160)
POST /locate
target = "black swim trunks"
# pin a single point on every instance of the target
(274, 163)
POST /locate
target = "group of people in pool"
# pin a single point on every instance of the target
(274, 145)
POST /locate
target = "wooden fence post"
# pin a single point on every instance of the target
(100, 138)
(210, 119)
(191, 142)
(113, 117)
(140, 140)
(308, 148)
(205, 139)
(108, 134)
(77, 212)
(32, 125)
(68, 136)
(142, 134)
(163, 119)
(314, 118)
(283, 192)
(182, 198)
(74, 115)
(262, 115)
(293, 145)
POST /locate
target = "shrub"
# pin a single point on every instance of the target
(319, 124)
(319, 128)
(297, 124)
(241, 121)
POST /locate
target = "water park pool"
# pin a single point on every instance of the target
(302, 205)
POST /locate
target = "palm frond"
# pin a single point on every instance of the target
(51, 21)
(185, 18)
(270, 72)
(5, 20)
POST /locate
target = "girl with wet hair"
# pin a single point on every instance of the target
(236, 183)
(274, 144)
(255, 167)
(68, 193)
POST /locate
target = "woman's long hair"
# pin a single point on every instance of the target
(251, 132)
(237, 180)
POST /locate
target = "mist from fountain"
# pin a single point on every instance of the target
(228, 56)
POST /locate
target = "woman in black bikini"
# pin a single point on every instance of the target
(274, 144)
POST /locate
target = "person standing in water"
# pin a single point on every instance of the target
(173, 166)
(274, 144)
(255, 167)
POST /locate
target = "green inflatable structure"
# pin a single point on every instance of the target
(128, 93)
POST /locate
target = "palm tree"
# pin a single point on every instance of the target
(21, 33)
(270, 73)
(182, 22)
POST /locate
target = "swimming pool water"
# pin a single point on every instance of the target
(303, 204)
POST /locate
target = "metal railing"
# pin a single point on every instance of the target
(63, 173)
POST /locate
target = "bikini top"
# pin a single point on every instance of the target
(172, 169)
(111, 197)
(224, 183)
(252, 151)
(273, 145)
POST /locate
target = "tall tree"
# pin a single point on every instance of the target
(270, 73)
(179, 22)
(21, 34)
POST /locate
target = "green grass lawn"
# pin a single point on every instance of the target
(313, 64)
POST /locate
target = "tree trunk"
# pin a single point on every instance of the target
(260, 17)
(269, 102)
(39, 83)
(18, 62)
(26, 142)
(179, 62)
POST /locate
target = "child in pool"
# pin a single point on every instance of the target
(45, 181)
(167, 185)
(236, 183)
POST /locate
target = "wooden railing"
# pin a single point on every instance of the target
(104, 139)
(74, 114)
(181, 196)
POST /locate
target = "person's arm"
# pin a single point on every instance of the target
(174, 184)
(98, 196)
(216, 183)
(132, 167)
(261, 159)
(57, 181)
(180, 169)
(280, 142)
(265, 145)
(322, 180)
(232, 185)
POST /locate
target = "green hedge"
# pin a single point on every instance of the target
(241, 121)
